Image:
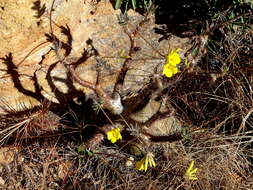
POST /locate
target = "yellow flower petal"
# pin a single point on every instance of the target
(167, 71)
(170, 70)
(190, 166)
(173, 58)
(174, 70)
(194, 170)
(139, 165)
(146, 161)
(190, 172)
(152, 162)
(193, 178)
(114, 135)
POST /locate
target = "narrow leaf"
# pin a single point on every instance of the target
(134, 4)
(118, 4)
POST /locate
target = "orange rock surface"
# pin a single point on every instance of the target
(28, 65)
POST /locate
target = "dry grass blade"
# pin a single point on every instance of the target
(9, 131)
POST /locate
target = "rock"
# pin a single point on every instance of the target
(166, 126)
(147, 112)
(29, 70)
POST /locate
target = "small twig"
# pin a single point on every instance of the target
(244, 121)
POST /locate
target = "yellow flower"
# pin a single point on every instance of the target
(114, 135)
(169, 70)
(173, 58)
(191, 172)
(144, 162)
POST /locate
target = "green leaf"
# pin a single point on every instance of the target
(89, 153)
(134, 4)
(80, 149)
(118, 4)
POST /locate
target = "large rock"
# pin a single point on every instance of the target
(29, 69)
